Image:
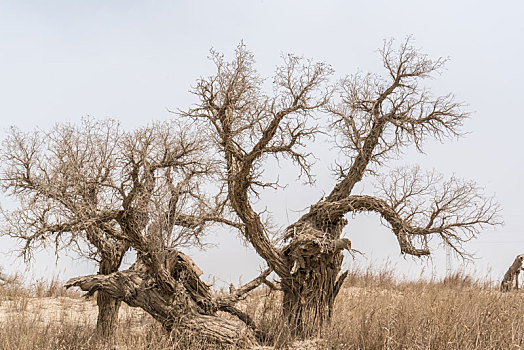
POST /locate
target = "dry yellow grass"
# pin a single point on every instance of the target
(373, 311)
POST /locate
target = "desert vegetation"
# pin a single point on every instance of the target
(375, 310)
(101, 191)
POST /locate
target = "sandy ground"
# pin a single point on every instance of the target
(74, 310)
(46, 310)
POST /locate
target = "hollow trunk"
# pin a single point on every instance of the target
(108, 306)
(310, 294)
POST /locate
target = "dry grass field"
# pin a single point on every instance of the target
(373, 311)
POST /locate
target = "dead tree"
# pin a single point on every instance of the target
(239, 126)
(113, 190)
(373, 118)
(79, 187)
(512, 275)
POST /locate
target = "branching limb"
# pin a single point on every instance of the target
(247, 124)
(377, 116)
(240, 293)
(190, 299)
(273, 285)
(455, 211)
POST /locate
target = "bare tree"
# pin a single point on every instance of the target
(81, 187)
(116, 190)
(373, 118)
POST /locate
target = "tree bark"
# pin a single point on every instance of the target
(309, 297)
(108, 307)
(182, 308)
(315, 261)
(107, 319)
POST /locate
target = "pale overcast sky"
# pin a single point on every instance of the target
(133, 60)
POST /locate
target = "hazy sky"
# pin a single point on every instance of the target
(132, 60)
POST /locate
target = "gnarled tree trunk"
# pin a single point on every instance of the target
(315, 262)
(309, 297)
(108, 308)
(187, 306)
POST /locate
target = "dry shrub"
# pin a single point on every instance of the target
(371, 276)
(266, 309)
(28, 334)
(456, 313)
(461, 279)
(16, 286)
(14, 292)
(52, 288)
